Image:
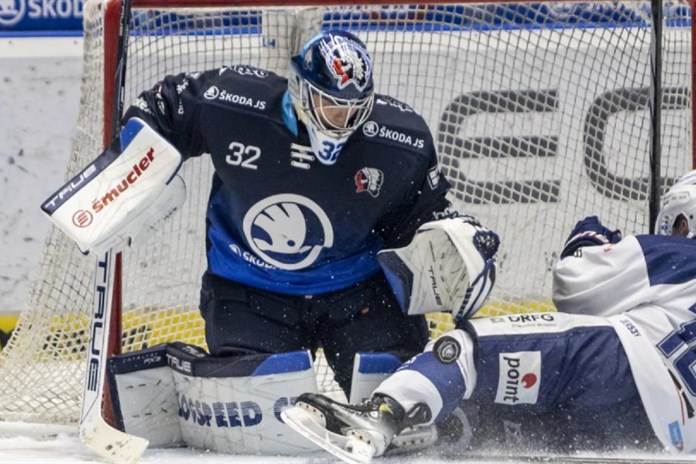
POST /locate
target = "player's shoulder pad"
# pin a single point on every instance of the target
(668, 259)
(244, 87)
(394, 121)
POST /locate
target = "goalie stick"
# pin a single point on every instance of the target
(93, 430)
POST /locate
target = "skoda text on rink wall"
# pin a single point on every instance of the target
(540, 113)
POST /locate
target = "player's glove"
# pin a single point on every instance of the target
(589, 232)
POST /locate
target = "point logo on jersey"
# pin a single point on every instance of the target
(369, 180)
(288, 231)
(347, 61)
(518, 378)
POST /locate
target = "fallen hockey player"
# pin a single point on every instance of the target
(615, 369)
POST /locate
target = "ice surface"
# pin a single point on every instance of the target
(67, 449)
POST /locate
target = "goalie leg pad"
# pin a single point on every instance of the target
(178, 395)
(233, 404)
(144, 396)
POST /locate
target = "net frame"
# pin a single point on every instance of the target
(112, 14)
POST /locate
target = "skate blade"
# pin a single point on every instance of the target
(348, 449)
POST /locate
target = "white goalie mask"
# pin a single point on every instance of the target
(332, 90)
(680, 200)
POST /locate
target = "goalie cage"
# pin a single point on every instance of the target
(541, 115)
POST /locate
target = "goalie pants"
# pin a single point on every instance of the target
(366, 317)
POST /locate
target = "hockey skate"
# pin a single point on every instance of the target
(357, 433)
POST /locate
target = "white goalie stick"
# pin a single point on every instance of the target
(93, 429)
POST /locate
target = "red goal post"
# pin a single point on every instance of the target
(540, 113)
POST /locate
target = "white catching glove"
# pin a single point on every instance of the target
(448, 266)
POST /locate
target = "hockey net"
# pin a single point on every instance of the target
(540, 113)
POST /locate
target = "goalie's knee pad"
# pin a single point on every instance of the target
(228, 405)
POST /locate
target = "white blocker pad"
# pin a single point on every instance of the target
(120, 195)
(440, 270)
(369, 370)
(178, 395)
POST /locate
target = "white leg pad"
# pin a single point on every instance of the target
(178, 395)
(145, 396)
(233, 405)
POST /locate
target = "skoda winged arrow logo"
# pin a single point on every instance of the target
(288, 231)
(12, 11)
(212, 93)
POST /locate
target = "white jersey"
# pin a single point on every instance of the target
(646, 286)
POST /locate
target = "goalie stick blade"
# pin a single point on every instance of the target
(111, 443)
(350, 450)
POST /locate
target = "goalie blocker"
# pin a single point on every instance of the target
(448, 266)
(122, 194)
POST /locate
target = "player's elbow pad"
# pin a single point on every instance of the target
(448, 266)
(120, 197)
(589, 232)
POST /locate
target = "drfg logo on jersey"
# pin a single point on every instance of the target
(288, 231)
(518, 378)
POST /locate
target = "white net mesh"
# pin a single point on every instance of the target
(540, 113)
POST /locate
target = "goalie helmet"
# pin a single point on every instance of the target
(680, 200)
(332, 90)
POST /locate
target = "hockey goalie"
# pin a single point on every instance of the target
(319, 233)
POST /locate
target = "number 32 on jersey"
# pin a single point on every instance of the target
(243, 155)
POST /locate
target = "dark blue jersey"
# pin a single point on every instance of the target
(278, 219)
